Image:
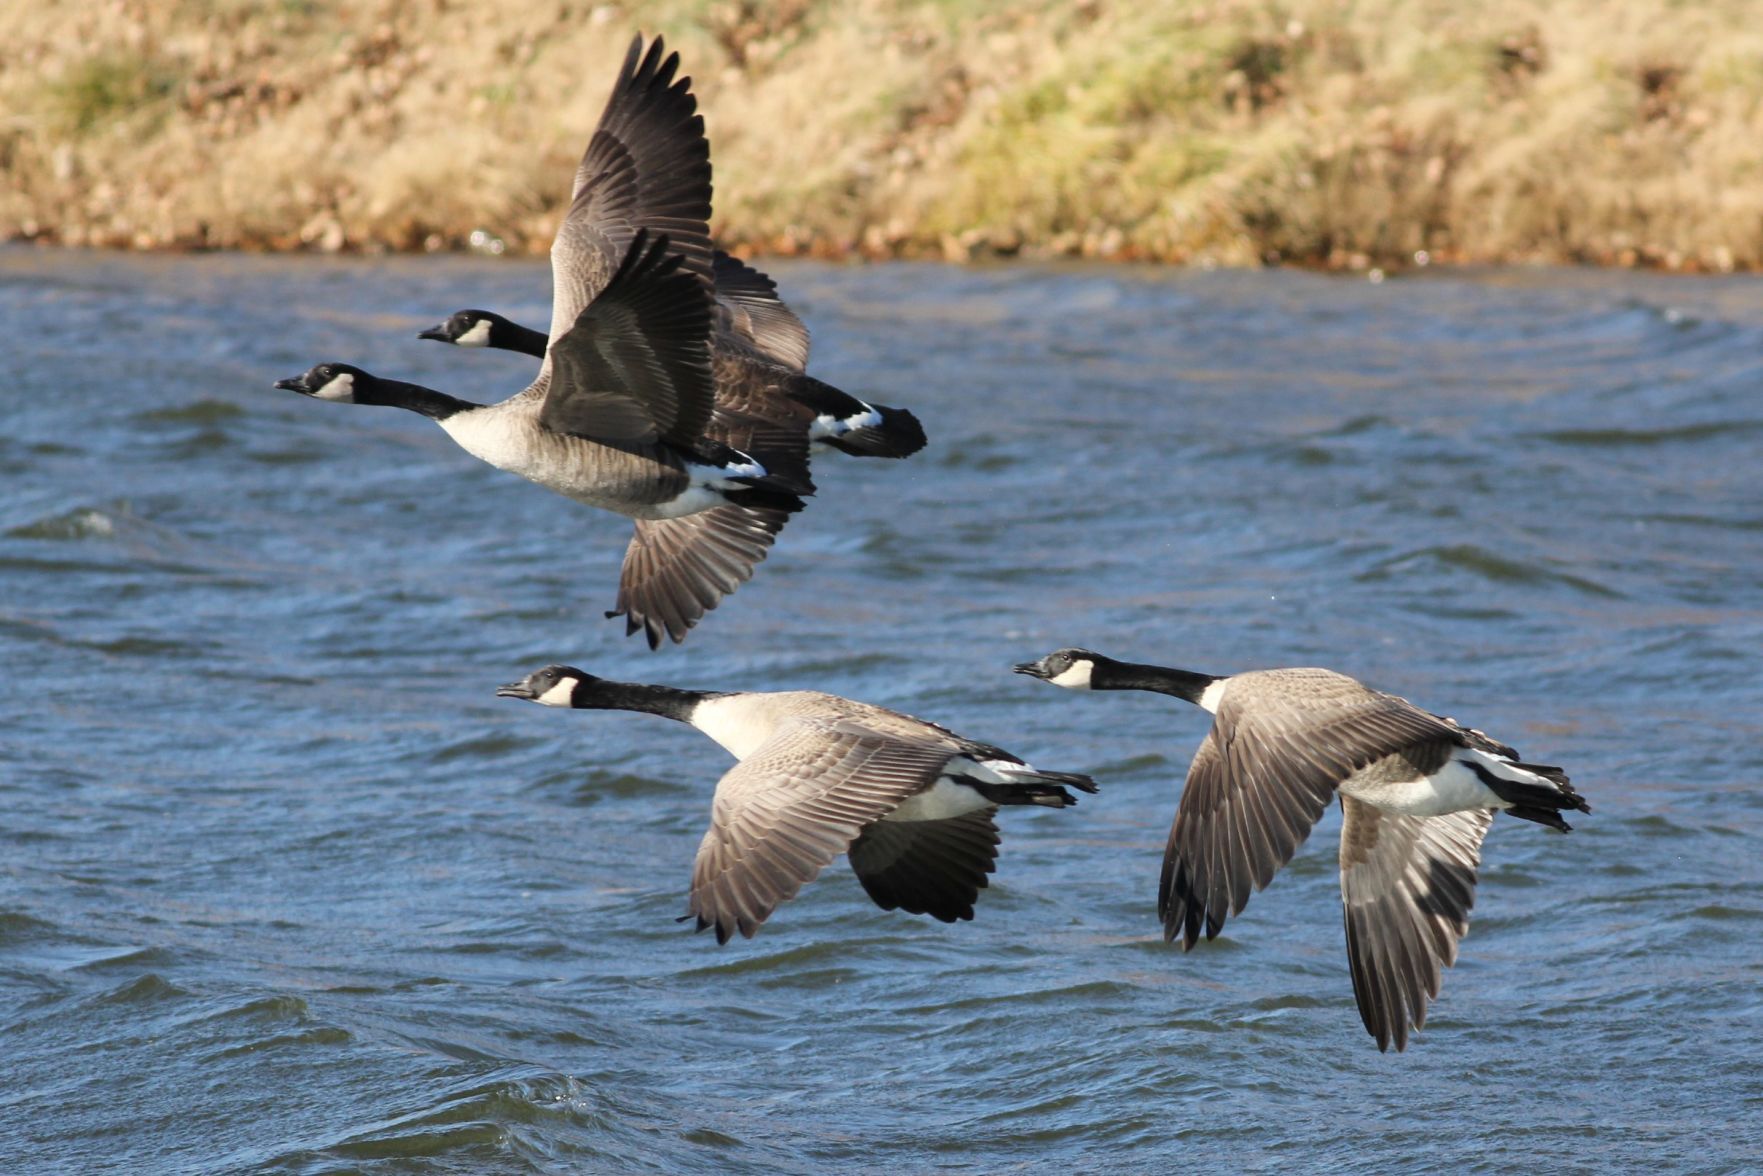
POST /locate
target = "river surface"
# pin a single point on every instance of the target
(285, 888)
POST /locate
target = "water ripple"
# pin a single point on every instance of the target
(287, 889)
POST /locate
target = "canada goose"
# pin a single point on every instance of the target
(1417, 793)
(759, 352)
(622, 415)
(910, 803)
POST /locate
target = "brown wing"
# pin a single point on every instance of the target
(676, 570)
(785, 812)
(1276, 752)
(749, 309)
(748, 384)
(780, 442)
(635, 365)
(646, 167)
(1407, 884)
(934, 868)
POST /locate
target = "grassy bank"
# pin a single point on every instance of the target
(1236, 132)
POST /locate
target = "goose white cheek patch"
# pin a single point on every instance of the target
(1077, 677)
(478, 336)
(558, 695)
(340, 388)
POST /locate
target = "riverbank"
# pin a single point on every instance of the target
(1237, 133)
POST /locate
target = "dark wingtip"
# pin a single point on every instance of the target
(648, 628)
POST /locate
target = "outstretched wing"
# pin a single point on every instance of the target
(1259, 784)
(749, 309)
(634, 367)
(646, 167)
(676, 570)
(785, 812)
(934, 868)
(1407, 884)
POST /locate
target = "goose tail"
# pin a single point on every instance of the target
(1033, 786)
(853, 426)
(1533, 792)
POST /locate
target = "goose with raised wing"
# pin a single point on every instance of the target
(909, 803)
(759, 354)
(1417, 793)
(623, 413)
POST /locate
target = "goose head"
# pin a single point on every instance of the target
(340, 382)
(465, 328)
(1070, 668)
(550, 686)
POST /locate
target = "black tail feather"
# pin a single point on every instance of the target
(1541, 803)
(1542, 816)
(1042, 788)
(1077, 780)
(1555, 776)
(822, 397)
(762, 492)
(898, 435)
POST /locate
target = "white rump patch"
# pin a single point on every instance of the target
(1454, 788)
(562, 694)
(340, 388)
(707, 488)
(719, 477)
(1077, 677)
(826, 425)
(942, 800)
(478, 336)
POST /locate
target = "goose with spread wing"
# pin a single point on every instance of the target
(1417, 793)
(909, 803)
(623, 413)
(759, 353)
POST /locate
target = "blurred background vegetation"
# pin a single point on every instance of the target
(1343, 133)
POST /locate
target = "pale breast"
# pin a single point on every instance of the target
(740, 722)
(508, 436)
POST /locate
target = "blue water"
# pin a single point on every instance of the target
(285, 888)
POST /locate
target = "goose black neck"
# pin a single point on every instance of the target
(666, 701)
(507, 336)
(1113, 675)
(436, 406)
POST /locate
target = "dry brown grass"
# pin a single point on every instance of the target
(1235, 132)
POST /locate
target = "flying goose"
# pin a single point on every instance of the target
(1417, 794)
(759, 352)
(622, 414)
(908, 802)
